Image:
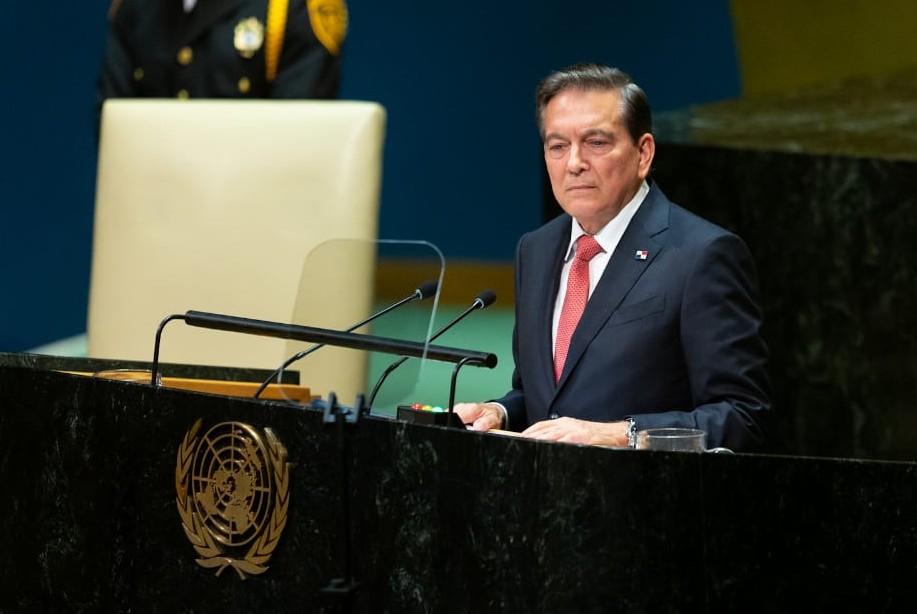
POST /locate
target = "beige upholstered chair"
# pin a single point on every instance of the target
(214, 206)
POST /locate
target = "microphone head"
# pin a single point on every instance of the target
(485, 298)
(427, 289)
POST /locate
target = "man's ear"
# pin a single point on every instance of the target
(647, 148)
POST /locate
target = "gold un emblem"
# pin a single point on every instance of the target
(233, 493)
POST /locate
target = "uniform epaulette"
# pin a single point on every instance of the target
(329, 23)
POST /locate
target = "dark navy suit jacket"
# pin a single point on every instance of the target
(669, 340)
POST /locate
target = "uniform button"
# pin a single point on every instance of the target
(185, 55)
(244, 85)
(183, 95)
(553, 416)
(138, 74)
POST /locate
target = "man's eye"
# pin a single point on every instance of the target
(597, 144)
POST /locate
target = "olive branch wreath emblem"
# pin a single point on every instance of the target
(212, 554)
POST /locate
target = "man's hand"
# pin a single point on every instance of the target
(571, 430)
(480, 416)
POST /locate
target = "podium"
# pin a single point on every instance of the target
(441, 519)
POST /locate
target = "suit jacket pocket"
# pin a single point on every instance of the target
(629, 313)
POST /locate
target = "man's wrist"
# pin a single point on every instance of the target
(503, 413)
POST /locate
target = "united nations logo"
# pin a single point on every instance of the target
(233, 494)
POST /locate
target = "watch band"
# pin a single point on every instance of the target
(631, 432)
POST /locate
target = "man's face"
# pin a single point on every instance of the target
(594, 165)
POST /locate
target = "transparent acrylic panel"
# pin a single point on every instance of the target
(349, 285)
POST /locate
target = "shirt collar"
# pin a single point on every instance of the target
(608, 236)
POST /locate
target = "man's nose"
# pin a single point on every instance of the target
(575, 161)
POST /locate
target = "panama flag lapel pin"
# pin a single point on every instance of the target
(641, 254)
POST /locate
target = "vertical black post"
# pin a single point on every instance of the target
(343, 589)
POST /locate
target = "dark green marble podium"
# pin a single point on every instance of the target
(442, 520)
(833, 239)
(821, 182)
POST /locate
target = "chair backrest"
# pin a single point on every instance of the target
(214, 205)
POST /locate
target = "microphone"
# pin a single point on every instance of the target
(483, 300)
(421, 292)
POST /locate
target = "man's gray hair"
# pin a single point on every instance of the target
(635, 108)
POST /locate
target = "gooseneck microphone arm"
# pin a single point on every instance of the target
(311, 334)
(455, 371)
(484, 299)
(154, 368)
(422, 292)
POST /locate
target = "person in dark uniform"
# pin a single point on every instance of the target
(223, 49)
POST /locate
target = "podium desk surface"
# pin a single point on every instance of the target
(93, 365)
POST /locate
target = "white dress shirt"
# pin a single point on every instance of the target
(608, 237)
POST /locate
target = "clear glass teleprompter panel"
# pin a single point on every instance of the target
(345, 282)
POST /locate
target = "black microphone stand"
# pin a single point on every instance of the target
(313, 334)
(452, 385)
(482, 301)
(343, 589)
(425, 290)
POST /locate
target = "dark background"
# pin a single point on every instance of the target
(462, 158)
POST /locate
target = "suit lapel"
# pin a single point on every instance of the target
(624, 268)
(541, 293)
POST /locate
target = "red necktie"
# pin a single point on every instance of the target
(575, 299)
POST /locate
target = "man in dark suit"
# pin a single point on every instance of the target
(223, 49)
(670, 335)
